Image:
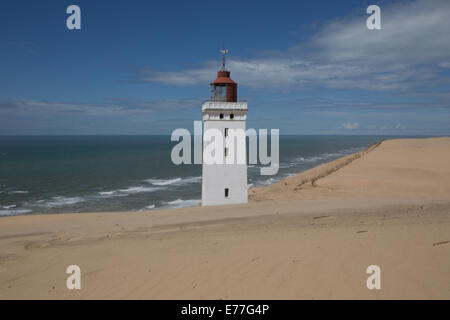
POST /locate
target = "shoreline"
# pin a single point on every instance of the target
(49, 204)
(306, 241)
(353, 156)
(316, 173)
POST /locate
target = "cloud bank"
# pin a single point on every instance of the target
(349, 126)
(110, 107)
(410, 50)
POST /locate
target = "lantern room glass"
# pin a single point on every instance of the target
(219, 93)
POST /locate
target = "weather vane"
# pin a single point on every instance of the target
(224, 52)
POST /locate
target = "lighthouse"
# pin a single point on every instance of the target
(224, 182)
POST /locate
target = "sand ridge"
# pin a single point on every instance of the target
(391, 168)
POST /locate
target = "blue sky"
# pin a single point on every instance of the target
(305, 67)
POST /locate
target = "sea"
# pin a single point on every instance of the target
(60, 174)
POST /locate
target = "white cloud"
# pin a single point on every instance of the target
(397, 126)
(349, 126)
(111, 107)
(345, 54)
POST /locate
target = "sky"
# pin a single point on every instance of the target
(144, 67)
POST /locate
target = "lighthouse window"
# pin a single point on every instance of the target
(226, 132)
(221, 116)
(226, 192)
(226, 152)
(232, 116)
(220, 93)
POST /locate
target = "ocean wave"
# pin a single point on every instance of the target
(192, 179)
(126, 191)
(147, 208)
(14, 212)
(113, 193)
(17, 192)
(107, 193)
(323, 156)
(311, 159)
(179, 203)
(162, 182)
(137, 189)
(9, 207)
(60, 201)
(173, 181)
(266, 182)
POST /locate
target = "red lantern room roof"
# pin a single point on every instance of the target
(223, 88)
(223, 77)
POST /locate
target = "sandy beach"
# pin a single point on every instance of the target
(310, 236)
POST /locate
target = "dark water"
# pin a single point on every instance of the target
(117, 173)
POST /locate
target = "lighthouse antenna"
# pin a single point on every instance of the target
(224, 52)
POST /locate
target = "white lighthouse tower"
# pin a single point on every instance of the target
(224, 183)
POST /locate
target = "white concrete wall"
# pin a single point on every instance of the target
(217, 177)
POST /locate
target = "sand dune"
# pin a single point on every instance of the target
(310, 236)
(407, 168)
